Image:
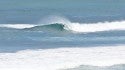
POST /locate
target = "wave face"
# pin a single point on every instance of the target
(56, 27)
(73, 27)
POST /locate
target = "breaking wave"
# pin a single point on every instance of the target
(73, 27)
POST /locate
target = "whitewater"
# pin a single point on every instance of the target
(62, 58)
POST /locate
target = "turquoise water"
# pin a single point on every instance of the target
(53, 24)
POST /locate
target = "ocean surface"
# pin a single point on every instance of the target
(62, 35)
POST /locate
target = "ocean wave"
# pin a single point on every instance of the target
(73, 27)
(62, 58)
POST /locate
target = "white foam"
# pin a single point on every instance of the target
(61, 58)
(95, 27)
(17, 26)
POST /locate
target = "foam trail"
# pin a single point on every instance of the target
(62, 58)
(95, 27)
(17, 26)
